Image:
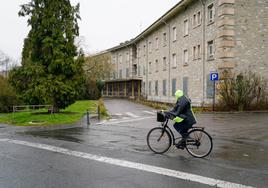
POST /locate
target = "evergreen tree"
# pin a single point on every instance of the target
(51, 69)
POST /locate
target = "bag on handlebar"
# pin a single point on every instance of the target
(161, 116)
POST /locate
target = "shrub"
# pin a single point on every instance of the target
(8, 96)
(244, 91)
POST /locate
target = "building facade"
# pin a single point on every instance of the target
(186, 44)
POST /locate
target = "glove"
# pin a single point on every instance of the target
(178, 119)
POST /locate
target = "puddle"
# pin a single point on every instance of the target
(71, 134)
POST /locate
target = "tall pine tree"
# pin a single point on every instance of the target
(51, 69)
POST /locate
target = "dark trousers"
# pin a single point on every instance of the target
(182, 128)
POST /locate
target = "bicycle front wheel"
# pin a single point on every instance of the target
(159, 140)
(199, 143)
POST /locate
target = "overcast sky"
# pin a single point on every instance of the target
(104, 24)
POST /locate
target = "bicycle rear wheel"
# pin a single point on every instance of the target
(199, 143)
(159, 140)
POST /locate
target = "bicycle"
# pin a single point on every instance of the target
(198, 142)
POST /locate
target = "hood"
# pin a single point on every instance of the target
(178, 94)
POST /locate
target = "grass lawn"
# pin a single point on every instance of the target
(69, 115)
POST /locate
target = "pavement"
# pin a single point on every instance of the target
(114, 153)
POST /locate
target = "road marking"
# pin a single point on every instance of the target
(133, 165)
(148, 112)
(124, 121)
(118, 114)
(131, 114)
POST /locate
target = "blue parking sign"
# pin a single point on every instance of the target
(214, 76)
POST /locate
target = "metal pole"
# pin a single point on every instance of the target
(88, 123)
(98, 112)
(214, 93)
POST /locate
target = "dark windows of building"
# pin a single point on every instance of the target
(164, 87)
(156, 43)
(150, 67)
(150, 88)
(164, 39)
(185, 86)
(210, 87)
(185, 57)
(174, 33)
(186, 27)
(150, 47)
(211, 13)
(139, 70)
(174, 60)
(120, 73)
(144, 70)
(127, 72)
(210, 50)
(156, 65)
(173, 86)
(199, 51)
(156, 88)
(164, 63)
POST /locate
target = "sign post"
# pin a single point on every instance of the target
(214, 76)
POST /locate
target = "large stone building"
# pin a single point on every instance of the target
(186, 44)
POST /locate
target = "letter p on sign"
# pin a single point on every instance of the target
(214, 76)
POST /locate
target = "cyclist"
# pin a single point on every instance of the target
(184, 116)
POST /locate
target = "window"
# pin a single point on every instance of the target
(150, 67)
(139, 70)
(144, 70)
(173, 86)
(164, 38)
(210, 87)
(174, 31)
(198, 18)
(194, 20)
(164, 87)
(210, 50)
(185, 57)
(186, 27)
(156, 65)
(150, 88)
(139, 52)
(174, 60)
(164, 63)
(144, 48)
(156, 87)
(211, 13)
(127, 72)
(120, 73)
(156, 43)
(199, 51)
(194, 53)
(127, 54)
(150, 47)
(185, 86)
(120, 58)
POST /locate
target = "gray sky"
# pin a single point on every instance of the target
(104, 24)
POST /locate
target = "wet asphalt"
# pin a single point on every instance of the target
(240, 152)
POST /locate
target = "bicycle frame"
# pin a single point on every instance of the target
(166, 127)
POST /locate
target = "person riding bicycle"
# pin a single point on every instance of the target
(184, 116)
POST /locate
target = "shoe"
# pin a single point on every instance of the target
(181, 144)
(180, 147)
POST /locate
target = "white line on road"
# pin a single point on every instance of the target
(133, 165)
(148, 112)
(118, 114)
(131, 114)
(124, 121)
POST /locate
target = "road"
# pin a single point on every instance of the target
(114, 153)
